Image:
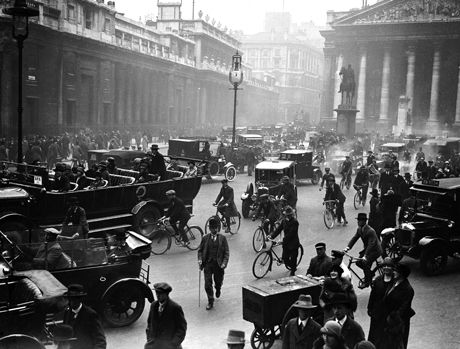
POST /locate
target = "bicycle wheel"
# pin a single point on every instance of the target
(328, 219)
(357, 200)
(161, 241)
(194, 234)
(262, 264)
(342, 184)
(258, 239)
(206, 226)
(235, 223)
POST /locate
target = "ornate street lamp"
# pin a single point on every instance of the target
(236, 78)
(21, 11)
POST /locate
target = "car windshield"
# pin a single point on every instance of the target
(443, 206)
(269, 175)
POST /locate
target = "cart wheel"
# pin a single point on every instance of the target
(357, 200)
(258, 240)
(194, 234)
(262, 338)
(230, 173)
(122, 305)
(262, 264)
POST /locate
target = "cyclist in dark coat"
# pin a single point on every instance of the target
(362, 180)
(287, 191)
(268, 209)
(177, 212)
(225, 202)
(333, 192)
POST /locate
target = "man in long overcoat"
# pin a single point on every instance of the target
(166, 324)
(225, 202)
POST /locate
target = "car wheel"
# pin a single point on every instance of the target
(144, 220)
(213, 168)
(433, 260)
(122, 305)
(391, 248)
(245, 208)
(230, 173)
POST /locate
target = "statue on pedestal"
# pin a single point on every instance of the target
(348, 85)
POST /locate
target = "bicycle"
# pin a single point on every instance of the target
(359, 199)
(235, 223)
(329, 215)
(361, 283)
(163, 232)
(263, 262)
(258, 239)
(345, 181)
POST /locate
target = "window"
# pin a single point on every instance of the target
(71, 12)
(107, 25)
(88, 19)
(277, 52)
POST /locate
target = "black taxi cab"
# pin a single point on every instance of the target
(304, 169)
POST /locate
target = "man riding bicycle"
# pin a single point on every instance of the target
(287, 191)
(347, 167)
(362, 180)
(291, 242)
(333, 192)
(268, 209)
(327, 174)
(177, 212)
(225, 204)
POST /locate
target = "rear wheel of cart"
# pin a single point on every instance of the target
(262, 338)
(230, 173)
(123, 305)
(161, 241)
(194, 234)
(258, 240)
(262, 264)
(144, 220)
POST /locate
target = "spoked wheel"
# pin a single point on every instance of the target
(262, 264)
(391, 248)
(122, 305)
(194, 234)
(144, 220)
(230, 173)
(328, 219)
(161, 241)
(206, 226)
(262, 338)
(235, 223)
(357, 200)
(258, 240)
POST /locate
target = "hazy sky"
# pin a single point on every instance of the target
(247, 15)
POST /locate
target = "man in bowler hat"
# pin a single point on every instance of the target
(87, 328)
(166, 324)
(157, 163)
(302, 331)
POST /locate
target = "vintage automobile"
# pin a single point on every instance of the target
(267, 179)
(335, 160)
(431, 232)
(206, 153)
(26, 201)
(384, 151)
(123, 157)
(304, 168)
(250, 140)
(441, 146)
(112, 270)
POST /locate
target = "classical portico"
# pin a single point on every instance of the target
(408, 48)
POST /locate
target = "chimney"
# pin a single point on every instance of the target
(111, 4)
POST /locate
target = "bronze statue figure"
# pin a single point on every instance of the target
(348, 85)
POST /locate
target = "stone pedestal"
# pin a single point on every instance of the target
(346, 120)
(402, 124)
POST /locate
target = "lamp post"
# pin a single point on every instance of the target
(21, 12)
(236, 78)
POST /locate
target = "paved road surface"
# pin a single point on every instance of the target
(436, 300)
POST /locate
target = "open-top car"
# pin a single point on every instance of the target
(267, 179)
(304, 169)
(431, 231)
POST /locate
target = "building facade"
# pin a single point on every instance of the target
(406, 57)
(85, 65)
(294, 63)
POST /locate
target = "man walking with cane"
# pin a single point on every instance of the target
(213, 255)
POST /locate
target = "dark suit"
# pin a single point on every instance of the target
(375, 308)
(166, 330)
(86, 328)
(320, 266)
(77, 216)
(352, 332)
(293, 339)
(61, 184)
(157, 165)
(226, 196)
(290, 242)
(386, 182)
(288, 191)
(214, 260)
(82, 182)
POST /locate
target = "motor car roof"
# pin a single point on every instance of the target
(125, 153)
(251, 135)
(296, 151)
(393, 145)
(441, 141)
(443, 184)
(274, 165)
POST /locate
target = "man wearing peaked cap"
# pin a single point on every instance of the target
(166, 324)
(178, 215)
(321, 263)
(302, 331)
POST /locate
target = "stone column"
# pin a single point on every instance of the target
(410, 79)
(457, 110)
(433, 121)
(327, 95)
(337, 96)
(361, 100)
(385, 92)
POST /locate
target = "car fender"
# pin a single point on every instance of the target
(228, 164)
(142, 203)
(430, 240)
(133, 282)
(388, 232)
(10, 216)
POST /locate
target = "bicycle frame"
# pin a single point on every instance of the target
(353, 260)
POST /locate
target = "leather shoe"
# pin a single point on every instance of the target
(217, 292)
(209, 306)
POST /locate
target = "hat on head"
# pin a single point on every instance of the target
(387, 166)
(304, 302)
(369, 151)
(171, 192)
(332, 328)
(110, 159)
(288, 210)
(235, 337)
(52, 231)
(154, 146)
(337, 254)
(320, 245)
(214, 223)
(225, 180)
(402, 269)
(407, 175)
(388, 262)
(162, 287)
(59, 167)
(75, 290)
(375, 192)
(364, 345)
(430, 161)
(337, 268)
(340, 298)
(62, 333)
(285, 179)
(395, 169)
(362, 217)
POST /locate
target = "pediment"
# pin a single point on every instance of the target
(404, 11)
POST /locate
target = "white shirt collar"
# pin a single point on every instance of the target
(303, 322)
(76, 311)
(341, 322)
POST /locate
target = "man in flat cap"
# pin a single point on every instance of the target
(50, 255)
(322, 263)
(178, 213)
(166, 324)
(157, 163)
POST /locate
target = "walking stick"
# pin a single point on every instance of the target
(199, 287)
